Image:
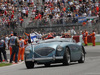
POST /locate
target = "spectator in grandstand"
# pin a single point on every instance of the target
(31, 19)
(55, 11)
(21, 21)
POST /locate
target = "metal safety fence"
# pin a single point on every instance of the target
(65, 23)
(54, 25)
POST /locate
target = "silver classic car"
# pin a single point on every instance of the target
(57, 50)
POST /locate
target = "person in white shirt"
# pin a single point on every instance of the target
(72, 31)
(23, 12)
(6, 41)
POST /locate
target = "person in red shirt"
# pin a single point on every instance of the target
(36, 17)
(47, 36)
(21, 21)
(5, 12)
(64, 9)
(13, 11)
(63, 35)
(12, 16)
(40, 16)
(26, 13)
(80, 1)
(50, 36)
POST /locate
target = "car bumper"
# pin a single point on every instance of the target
(47, 58)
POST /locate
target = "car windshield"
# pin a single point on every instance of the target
(56, 40)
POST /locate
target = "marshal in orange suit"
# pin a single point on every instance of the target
(93, 38)
(85, 37)
(21, 49)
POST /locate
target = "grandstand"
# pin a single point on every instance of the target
(62, 17)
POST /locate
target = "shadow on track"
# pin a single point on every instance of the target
(51, 66)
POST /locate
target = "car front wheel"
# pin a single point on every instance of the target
(82, 59)
(29, 64)
(66, 57)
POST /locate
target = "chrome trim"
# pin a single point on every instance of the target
(28, 60)
(47, 58)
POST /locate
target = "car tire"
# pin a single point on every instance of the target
(47, 64)
(82, 59)
(29, 64)
(66, 57)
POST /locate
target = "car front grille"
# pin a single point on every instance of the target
(44, 51)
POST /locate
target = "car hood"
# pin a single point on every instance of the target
(50, 44)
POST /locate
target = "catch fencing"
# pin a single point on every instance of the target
(64, 24)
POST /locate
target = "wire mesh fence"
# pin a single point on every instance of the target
(51, 25)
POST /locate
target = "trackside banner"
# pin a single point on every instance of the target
(82, 19)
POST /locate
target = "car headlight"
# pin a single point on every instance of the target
(59, 48)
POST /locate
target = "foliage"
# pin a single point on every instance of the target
(4, 64)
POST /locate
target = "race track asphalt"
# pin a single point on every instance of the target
(90, 67)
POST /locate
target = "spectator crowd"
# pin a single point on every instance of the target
(58, 10)
(14, 12)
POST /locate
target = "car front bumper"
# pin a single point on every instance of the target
(47, 58)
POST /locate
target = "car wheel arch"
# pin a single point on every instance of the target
(83, 50)
(69, 52)
(66, 60)
(68, 49)
(82, 58)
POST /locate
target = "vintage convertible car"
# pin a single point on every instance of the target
(63, 50)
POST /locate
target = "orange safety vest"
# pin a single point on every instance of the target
(86, 34)
(93, 34)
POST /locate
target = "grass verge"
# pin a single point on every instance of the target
(4, 64)
(90, 44)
